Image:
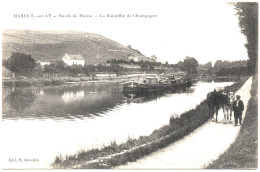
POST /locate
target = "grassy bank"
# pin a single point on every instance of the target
(243, 153)
(134, 149)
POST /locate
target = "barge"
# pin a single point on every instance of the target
(154, 83)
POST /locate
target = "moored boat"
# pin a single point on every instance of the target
(154, 83)
(133, 86)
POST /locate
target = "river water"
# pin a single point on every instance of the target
(39, 123)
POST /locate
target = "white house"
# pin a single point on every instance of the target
(134, 58)
(42, 63)
(71, 59)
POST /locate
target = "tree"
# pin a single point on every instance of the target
(248, 21)
(75, 69)
(180, 65)
(60, 65)
(208, 65)
(144, 67)
(88, 69)
(166, 64)
(153, 57)
(51, 68)
(190, 65)
(20, 63)
(151, 67)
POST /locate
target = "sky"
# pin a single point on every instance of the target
(205, 30)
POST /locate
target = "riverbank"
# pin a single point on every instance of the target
(243, 153)
(115, 155)
(199, 148)
(57, 81)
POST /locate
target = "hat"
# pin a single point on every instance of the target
(238, 96)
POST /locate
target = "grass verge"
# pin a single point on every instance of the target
(243, 153)
(133, 149)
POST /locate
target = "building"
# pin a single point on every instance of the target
(71, 59)
(43, 63)
(134, 58)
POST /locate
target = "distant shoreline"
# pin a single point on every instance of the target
(58, 81)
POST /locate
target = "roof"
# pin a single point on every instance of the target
(75, 57)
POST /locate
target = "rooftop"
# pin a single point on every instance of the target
(74, 57)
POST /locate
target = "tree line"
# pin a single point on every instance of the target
(247, 13)
(24, 65)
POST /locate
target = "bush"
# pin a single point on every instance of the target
(46, 82)
(65, 78)
(7, 83)
(73, 79)
(85, 78)
(58, 81)
(36, 81)
(22, 83)
(21, 78)
(174, 117)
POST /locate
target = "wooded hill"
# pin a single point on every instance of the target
(52, 45)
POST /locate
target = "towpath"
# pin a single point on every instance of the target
(199, 148)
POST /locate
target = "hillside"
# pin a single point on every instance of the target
(52, 45)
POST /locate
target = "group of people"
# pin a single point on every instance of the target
(235, 105)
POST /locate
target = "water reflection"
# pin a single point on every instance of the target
(146, 97)
(91, 121)
(68, 102)
(72, 96)
(73, 102)
(20, 99)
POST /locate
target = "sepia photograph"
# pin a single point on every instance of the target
(129, 85)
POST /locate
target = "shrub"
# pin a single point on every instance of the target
(85, 78)
(22, 83)
(73, 79)
(174, 117)
(36, 81)
(7, 83)
(46, 82)
(59, 81)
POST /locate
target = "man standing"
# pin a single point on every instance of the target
(231, 99)
(238, 110)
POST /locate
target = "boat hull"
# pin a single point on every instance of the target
(134, 87)
(137, 87)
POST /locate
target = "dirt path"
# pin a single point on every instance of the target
(199, 148)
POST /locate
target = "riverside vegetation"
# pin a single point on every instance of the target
(24, 82)
(56, 81)
(243, 153)
(133, 149)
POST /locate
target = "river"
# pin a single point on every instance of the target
(39, 123)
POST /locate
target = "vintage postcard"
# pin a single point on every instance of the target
(129, 84)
